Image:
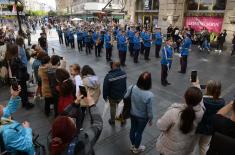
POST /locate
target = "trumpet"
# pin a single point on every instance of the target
(97, 41)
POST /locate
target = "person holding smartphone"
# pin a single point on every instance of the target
(64, 136)
(222, 141)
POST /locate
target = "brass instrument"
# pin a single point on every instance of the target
(112, 40)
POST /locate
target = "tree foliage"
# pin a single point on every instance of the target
(36, 13)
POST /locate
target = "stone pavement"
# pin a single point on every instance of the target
(115, 140)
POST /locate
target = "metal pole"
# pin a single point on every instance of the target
(18, 17)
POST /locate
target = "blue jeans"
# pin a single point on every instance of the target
(137, 127)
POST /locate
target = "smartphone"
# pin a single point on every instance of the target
(83, 91)
(193, 76)
(14, 83)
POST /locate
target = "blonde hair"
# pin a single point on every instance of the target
(213, 88)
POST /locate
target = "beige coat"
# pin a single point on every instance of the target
(171, 140)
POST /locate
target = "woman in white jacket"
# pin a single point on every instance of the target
(179, 123)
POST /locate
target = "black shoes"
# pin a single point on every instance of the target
(165, 84)
(181, 72)
(112, 123)
(29, 106)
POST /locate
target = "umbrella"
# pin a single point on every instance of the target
(76, 19)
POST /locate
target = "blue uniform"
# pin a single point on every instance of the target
(95, 37)
(79, 35)
(71, 36)
(167, 55)
(147, 40)
(84, 35)
(185, 46)
(158, 37)
(121, 43)
(137, 43)
(107, 40)
(142, 34)
(130, 35)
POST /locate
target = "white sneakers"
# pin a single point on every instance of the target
(139, 150)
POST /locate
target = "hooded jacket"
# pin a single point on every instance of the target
(211, 108)
(92, 85)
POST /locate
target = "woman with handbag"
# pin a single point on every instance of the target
(141, 110)
(17, 69)
(179, 123)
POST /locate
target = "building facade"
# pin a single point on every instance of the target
(87, 8)
(34, 5)
(215, 15)
(64, 6)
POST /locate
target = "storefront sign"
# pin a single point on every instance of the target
(213, 24)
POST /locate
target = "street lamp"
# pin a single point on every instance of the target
(18, 15)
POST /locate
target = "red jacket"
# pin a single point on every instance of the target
(64, 101)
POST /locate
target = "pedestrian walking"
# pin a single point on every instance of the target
(233, 45)
(141, 110)
(130, 36)
(114, 88)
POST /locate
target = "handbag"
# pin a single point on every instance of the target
(127, 106)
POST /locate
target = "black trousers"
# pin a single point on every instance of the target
(164, 74)
(233, 50)
(24, 93)
(48, 102)
(146, 53)
(97, 50)
(61, 39)
(29, 40)
(142, 48)
(66, 41)
(72, 43)
(108, 53)
(122, 57)
(183, 63)
(88, 48)
(131, 45)
(157, 50)
(79, 45)
(136, 55)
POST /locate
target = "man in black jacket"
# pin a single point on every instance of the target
(114, 88)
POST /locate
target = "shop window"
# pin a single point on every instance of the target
(139, 5)
(147, 4)
(207, 5)
(155, 4)
(192, 4)
(219, 4)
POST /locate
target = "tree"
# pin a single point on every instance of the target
(52, 13)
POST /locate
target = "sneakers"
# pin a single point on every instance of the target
(139, 150)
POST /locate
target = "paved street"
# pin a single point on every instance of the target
(115, 140)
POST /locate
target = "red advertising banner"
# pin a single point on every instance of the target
(213, 24)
